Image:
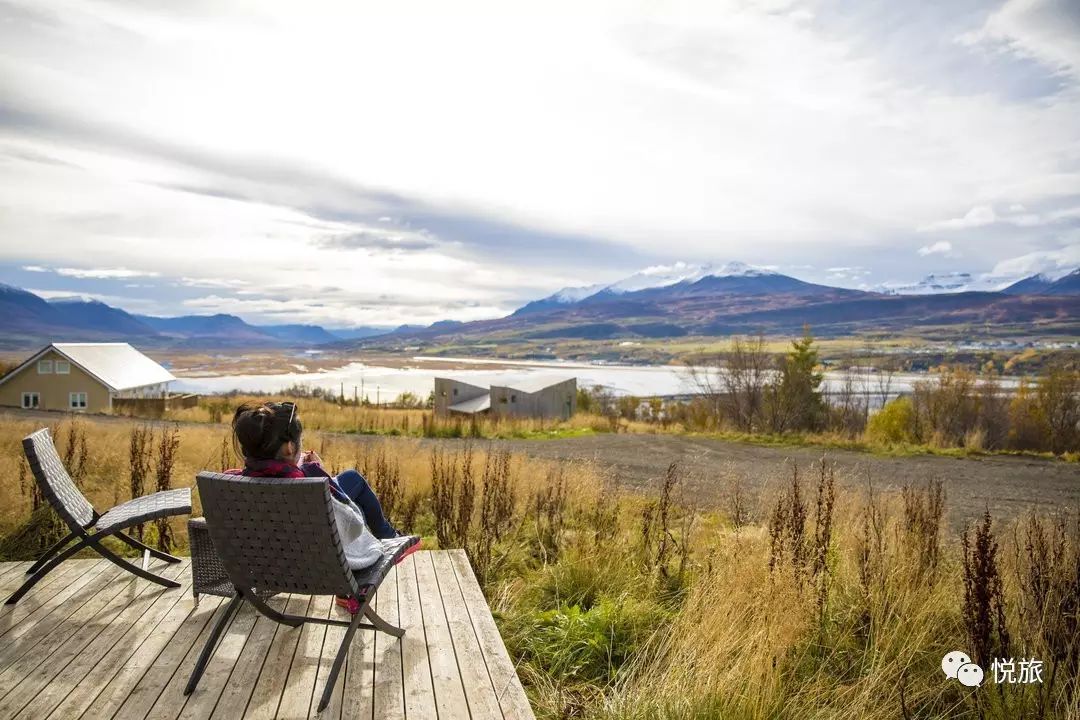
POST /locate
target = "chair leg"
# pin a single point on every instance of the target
(131, 568)
(276, 616)
(45, 570)
(331, 679)
(50, 552)
(381, 624)
(211, 643)
(146, 548)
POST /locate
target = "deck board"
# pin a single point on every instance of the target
(91, 641)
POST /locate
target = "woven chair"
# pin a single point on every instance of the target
(86, 525)
(278, 535)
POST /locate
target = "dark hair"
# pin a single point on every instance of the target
(260, 430)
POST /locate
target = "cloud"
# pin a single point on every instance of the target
(104, 273)
(35, 268)
(369, 240)
(1050, 262)
(730, 130)
(1047, 31)
(941, 247)
(977, 216)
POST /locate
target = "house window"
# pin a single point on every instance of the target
(513, 398)
(63, 367)
(77, 400)
(44, 367)
(31, 400)
(455, 392)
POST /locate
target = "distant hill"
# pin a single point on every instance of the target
(27, 320)
(300, 334)
(1068, 285)
(94, 314)
(736, 298)
(1043, 284)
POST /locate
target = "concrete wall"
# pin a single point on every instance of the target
(53, 389)
(557, 401)
(450, 392)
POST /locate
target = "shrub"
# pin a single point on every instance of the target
(894, 424)
(591, 645)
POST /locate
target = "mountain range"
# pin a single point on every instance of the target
(660, 302)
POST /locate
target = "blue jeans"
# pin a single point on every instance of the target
(356, 487)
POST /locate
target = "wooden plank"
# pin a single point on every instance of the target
(73, 689)
(127, 678)
(171, 701)
(357, 698)
(201, 703)
(48, 595)
(479, 692)
(38, 668)
(389, 691)
(334, 635)
(416, 667)
(266, 696)
(234, 698)
(12, 575)
(46, 637)
(68, 570)
(180, 651)
(508, 688)
(445, 677)
(296, 700)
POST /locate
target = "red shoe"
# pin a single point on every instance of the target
(349, 603)
(409, 551)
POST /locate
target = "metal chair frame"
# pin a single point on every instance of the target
(231, 504)
(81, 517)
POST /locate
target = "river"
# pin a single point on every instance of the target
(384, 384)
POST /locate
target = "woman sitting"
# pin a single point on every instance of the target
(268, 437)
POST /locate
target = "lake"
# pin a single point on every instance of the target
(384, 384)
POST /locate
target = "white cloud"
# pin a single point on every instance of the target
(711, 131)
(941, 247)
(1045, 30)
(977, 216)
(1050, 262)
(35, 268)
(102, 273)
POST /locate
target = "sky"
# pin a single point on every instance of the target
(373, 164)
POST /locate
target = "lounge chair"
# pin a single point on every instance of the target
(278, 535)
(86, 525)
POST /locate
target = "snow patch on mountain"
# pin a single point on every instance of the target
(659, 276)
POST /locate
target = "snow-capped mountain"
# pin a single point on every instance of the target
(664, 275)
(657, 276)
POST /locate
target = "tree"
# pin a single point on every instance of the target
(795, 399)
(1058, 401)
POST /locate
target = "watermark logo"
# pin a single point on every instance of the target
(957, 665)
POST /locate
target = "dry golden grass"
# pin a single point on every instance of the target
(629, 606)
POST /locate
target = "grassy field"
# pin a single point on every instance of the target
(796, 601)
(325, 415)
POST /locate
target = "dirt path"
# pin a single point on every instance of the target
(1007, 485)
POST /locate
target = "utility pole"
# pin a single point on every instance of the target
(342, 392)
(378, 395)
(355, 397)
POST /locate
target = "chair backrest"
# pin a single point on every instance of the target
(55, 483)
(276, 534)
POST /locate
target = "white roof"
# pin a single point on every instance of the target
(531, 384)
(117, 365)
(473, 405)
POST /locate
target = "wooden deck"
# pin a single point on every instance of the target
(92, 642)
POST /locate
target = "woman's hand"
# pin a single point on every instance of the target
(310, 457)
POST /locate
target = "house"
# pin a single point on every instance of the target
(526, 397)
(85, 377)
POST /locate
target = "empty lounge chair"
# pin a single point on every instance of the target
(87, 527)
